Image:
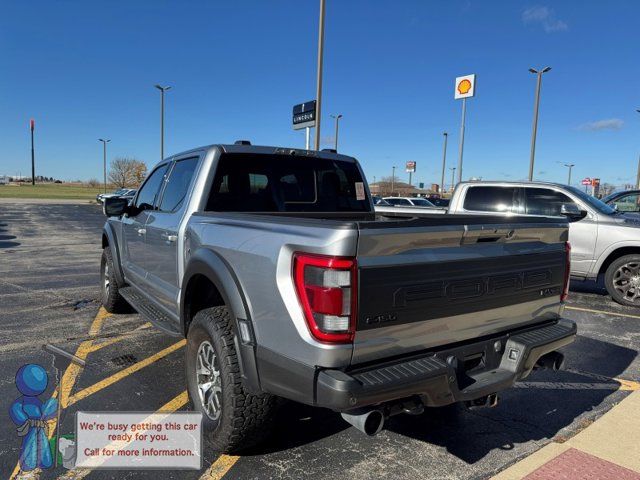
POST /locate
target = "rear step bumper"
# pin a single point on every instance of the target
(444, 377)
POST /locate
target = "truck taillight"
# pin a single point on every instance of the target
(567, 272)
(326, 288)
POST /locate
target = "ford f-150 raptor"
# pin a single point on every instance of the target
(286, 283)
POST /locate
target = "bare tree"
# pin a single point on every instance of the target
(93, 182)
(127, 172)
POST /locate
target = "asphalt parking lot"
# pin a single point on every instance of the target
(49, 269)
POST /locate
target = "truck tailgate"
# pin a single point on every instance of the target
(423, 285)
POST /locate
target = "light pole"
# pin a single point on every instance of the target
(453, 177)
(319, 77)
(444, 161)
(104, 161)
(32, 126)
(162, 90)
(570, 166)
(536, 107)
(638, 175)
(337, 117)
(393, 179)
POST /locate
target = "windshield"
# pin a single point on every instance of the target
(593, 202)
(421, 202)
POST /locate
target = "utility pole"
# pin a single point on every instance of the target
(570, 166)
(536, 107)
(444, 161)
(162, 90)
(319, 78)
(453, 174)
(337, 117)
(104, 161)
(32, 126)
(393, 179)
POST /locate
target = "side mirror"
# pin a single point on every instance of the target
(571, 210)
(115, 206)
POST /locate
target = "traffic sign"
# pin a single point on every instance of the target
(465, 86)
(304, 115)
(586, 181)
(410, 167)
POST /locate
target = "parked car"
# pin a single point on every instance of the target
(379, 200)
(440, 202)
(285, 281)
(122, 192)
(627, 201)
(604, 242)
(409, 202)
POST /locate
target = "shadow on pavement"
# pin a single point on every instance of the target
(588, 286)
(541, 406)
(5, 240)
(545, 403)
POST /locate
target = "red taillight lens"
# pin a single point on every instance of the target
(567, 273)
(326, 288)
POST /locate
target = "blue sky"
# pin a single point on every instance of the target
(86, 70)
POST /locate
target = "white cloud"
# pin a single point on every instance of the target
(606, 124)
(545, 17)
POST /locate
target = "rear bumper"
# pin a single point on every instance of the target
(462, 373)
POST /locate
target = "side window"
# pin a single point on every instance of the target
(628, 203)
(178, 186)
(491, 199)
(544, 201)
(149, 191)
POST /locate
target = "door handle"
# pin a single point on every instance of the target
(169, 238)
(142, 231)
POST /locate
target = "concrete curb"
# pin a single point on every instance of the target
(614, 437)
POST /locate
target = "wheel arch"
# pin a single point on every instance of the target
(209, 281)
(615, 254)
(109, 239)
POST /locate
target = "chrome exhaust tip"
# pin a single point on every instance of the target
(369, 422)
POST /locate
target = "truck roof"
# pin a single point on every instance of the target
(265, 149)
(516, 183)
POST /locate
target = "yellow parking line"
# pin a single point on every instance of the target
(119, 338)
(627, 385)
(220, 467)
(96, 387)
(615, 314)
(70, 375)
(169, 407)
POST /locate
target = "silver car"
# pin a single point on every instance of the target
(605, 242)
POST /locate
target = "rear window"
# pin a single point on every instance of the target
(491, 199)
(283, 183)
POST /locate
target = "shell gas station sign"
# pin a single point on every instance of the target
(465, 86)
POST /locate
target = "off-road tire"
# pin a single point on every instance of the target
(245, 419)
(610, 279)
(112, 301)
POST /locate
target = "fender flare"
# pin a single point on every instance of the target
(610, 250)
(112, 242)
(209, 264)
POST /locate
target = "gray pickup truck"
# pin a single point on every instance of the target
(604, 242)
(286, 283)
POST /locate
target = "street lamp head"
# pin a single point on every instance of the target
(546, 69)
(638, 110)
(161, 88)
(532, 70)
(445, 133)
